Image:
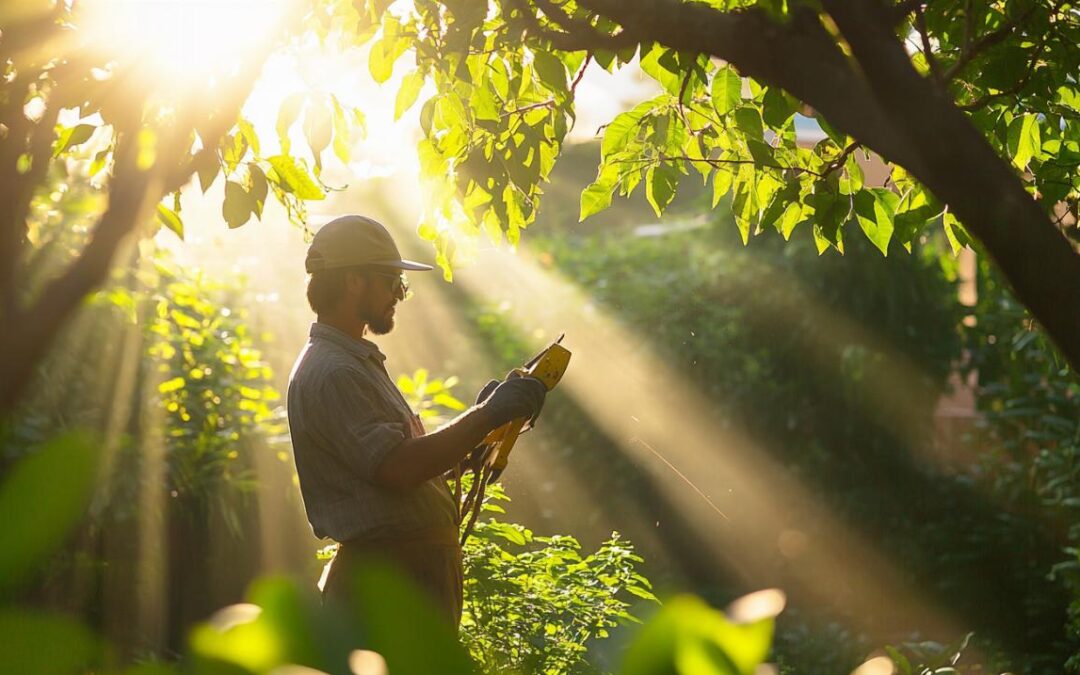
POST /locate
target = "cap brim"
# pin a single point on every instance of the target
(404, 265)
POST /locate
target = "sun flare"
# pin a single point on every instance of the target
(181, 41)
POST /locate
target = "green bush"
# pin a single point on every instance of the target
(794, 349)
(1029, 435)
(283, 626)
(168, 379)
(216, 390)
(535, 604)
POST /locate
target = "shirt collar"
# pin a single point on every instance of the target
(361, 348)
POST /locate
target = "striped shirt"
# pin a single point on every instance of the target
(345, 417)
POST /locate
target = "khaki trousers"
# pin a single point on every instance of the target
(431, 559)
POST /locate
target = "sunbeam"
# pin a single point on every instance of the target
(643, 403)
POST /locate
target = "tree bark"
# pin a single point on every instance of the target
(962, 169)
(31, 330)
(34, 328)
(878, 98)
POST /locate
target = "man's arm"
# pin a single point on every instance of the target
(416, 460)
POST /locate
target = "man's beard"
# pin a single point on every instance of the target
(379, 323)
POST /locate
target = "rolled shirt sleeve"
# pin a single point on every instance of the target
(352, 425)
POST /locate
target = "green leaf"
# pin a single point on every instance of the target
(234, 147)
(402, 625)
(380, 65)
(594, 199)
(677, 136)
(288, 112)
(98, 163)
(1003, 67)
(899, 660)
(1069, 96)
(170, 219)
(176, 383)
(238, 205)
(954, 232)
(508, 532)
(618, 133)
(71, 136)
(447, 401)
(661, 182)
(687, 636)
(744, 208)
(258, 189)
(207, 166)
(790, 218)
(247, 130)
(318, 127)
(1023, 139)
(831, 210)
(777, 108)
(597, 196)
(722, 181)
(41, 498)
(660, 64)
(726, 90)
(914, 211)
(748, 121)
(875, 210)
(46, 644)
(779, 205)
(411, 85)
(853, 178)
(385, 52)
(484, 103)
(293, 176)
(551, 71)
(641, 592)
(342, 132)
(761, 152)
(275, 628)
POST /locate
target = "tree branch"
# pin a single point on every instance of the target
(958, 164)
(924, 37)
(902, 9)
(717, 162)
(881, 100)
(575, 35)
(799, 55)
(987, 40)
(39, 323)
(841, 158)
(132, 192)
(986, 99)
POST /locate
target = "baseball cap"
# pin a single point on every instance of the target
(351, 241)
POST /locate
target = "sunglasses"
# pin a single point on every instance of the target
(400, 283)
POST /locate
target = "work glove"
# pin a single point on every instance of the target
(474, 459)
(514, 398)
(486, 390)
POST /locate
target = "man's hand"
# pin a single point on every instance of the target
(416, 460)
(514, 398)
(486, 390)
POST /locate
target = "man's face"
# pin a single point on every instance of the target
(377, 305)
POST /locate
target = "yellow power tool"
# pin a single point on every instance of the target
(491, 456)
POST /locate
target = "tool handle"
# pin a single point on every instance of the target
(502, 451)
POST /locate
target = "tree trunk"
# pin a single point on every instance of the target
(879, 99)
(961, 168)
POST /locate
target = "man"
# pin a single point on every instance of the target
(370, 477)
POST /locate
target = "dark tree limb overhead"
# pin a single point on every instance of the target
(879, 99)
